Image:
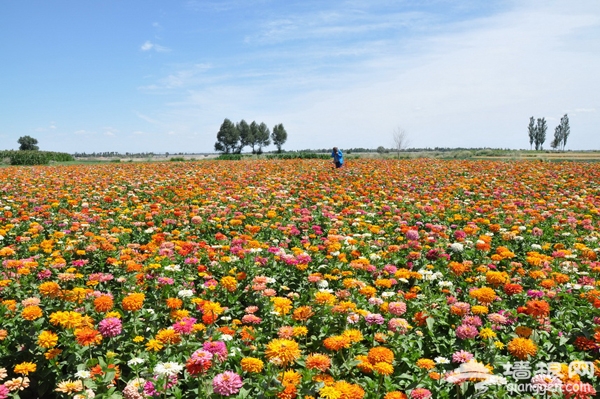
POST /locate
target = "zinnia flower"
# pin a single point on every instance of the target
(252, 365)
(110, 327)
(227, 383)
(282, 351)
(521, 348)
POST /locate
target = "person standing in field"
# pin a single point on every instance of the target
(338, 157)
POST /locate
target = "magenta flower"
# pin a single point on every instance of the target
(110, 327)
(217, 348)
(185, 325)
(374, 318)
(227, 383)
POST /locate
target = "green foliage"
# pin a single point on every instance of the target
(34, 157)
(298, 155)
(27, 143)
(227, 137)
(229, 157)
(177, 159)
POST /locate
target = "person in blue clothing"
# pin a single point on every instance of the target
(338, 157)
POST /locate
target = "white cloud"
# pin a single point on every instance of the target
(148, 45)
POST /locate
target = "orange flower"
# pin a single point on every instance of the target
(133, 302)
(168, 336)
(31, 313)
(104, 303)
(229, 283)
(282, 351)
(538, 308)
(383, 368)
(318, 361)
(426, 364)
(484, 295)
(302, 313)
(521, 348)
(380, 354)
(50, 289)
(337, 342)
(87, 336)
(395, 395)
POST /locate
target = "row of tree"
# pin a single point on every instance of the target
(233, 138)
(537, 133)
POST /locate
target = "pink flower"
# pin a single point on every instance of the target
(462, 356)
(185, 325)
(217, 348)
(227, 383)
(3, 392)
(374, 318)
(420, 393)
(110, 327)
(466, 331)
(397, 308)
(412, 235)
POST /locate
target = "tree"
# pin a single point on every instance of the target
(557, 140)
(381, 149)
(540, 133)
(28, 143)
(566, 130)
(245, 135)
(531, 130)
(401, 141)
(227, 137)
(262, 137)
(279, 136)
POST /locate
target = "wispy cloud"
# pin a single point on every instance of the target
(148, 45)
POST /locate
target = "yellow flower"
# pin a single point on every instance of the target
(252, 365)
(47, 339)
(154, 345)
(25, 368)
(383, 368)
(487, 333)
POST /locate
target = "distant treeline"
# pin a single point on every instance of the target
(33, 157)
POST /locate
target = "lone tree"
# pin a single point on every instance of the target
(227, 137)
(561, 133)
(401, 141)
(531, 130)
(540, 133)
(28, 143)
(279, 136)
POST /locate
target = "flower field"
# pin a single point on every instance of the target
(287, 279)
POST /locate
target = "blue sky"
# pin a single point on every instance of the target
(137, 76)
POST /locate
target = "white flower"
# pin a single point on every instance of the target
(173, 268)
(442, 360)
(536, 246)
(168, 368)
(83, 374)
(226, 337)
(457, 247)
(185, 293)
(445, 284)
(388, 294)
(322, 284)
(135, 361)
